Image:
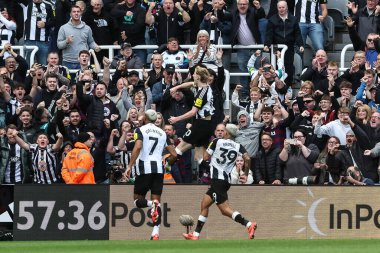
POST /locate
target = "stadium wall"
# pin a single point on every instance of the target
(62, 212)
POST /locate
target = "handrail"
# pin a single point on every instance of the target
(343, 56)
(21, 50)
(283, 47)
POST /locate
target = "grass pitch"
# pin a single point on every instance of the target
(202, 246)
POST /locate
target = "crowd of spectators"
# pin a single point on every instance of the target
(328, 130)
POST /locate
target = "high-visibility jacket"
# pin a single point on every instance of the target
(78, 166)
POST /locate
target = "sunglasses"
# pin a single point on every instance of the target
(370, 40)
(308, 101)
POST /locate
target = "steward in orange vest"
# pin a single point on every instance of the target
(78, 164)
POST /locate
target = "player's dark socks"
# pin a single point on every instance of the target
(158, 222)
(201, 221)
(236, 216)
(141, 203)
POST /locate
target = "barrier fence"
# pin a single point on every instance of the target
(63, 212)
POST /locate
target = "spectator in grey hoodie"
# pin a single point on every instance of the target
(248, 134)
(73, 37)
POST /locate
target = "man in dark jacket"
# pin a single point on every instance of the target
(175, 105)
(367, 19)
(99, 110)
(131, 19)
(102, 26)
(266, 165)
(357, 142)
(283, 28)
(245, 32)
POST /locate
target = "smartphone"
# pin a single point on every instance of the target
(292, 141)
(263, 60)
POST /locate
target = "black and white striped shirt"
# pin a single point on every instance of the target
(154, 141)
(14, 172)
(223, 156)
(12, 106)
(33, 13)
(204, 101)
(44, 163)
(307, 11)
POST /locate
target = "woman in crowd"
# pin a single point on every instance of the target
(331, 164)
(204, 52)
(238, 175)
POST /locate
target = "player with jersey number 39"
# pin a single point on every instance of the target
(223, 153)
(150, 141)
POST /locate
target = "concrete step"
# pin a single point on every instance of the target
(340, 46)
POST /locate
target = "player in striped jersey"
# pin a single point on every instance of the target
(223, 153)
(150, 141)
(203, 108)
(44, 159)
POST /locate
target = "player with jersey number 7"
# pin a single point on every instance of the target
(150, 141)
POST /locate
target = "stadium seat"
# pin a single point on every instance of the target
(329, 32)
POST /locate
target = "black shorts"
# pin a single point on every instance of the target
(218, 190)
(145, 182)
(199, 134)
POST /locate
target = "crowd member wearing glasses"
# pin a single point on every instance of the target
(174, 54)
(356, 72)
(266, 164)
(297, 157)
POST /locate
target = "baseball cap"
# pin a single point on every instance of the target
(133, 72)
(170, 68)
(151, 114)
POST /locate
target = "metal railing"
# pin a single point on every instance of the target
(112, 48)
(21, 50)
(227, 73)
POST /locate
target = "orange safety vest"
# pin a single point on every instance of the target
(78, 166)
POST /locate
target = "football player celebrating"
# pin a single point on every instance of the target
(223, 153)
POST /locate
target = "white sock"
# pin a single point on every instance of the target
(156, 230)
(195, 233)
(234, 214)
(249, 224)
(202, 218)
(150, 203)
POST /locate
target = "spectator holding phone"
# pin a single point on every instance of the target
(298, 158)
(238, 175)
